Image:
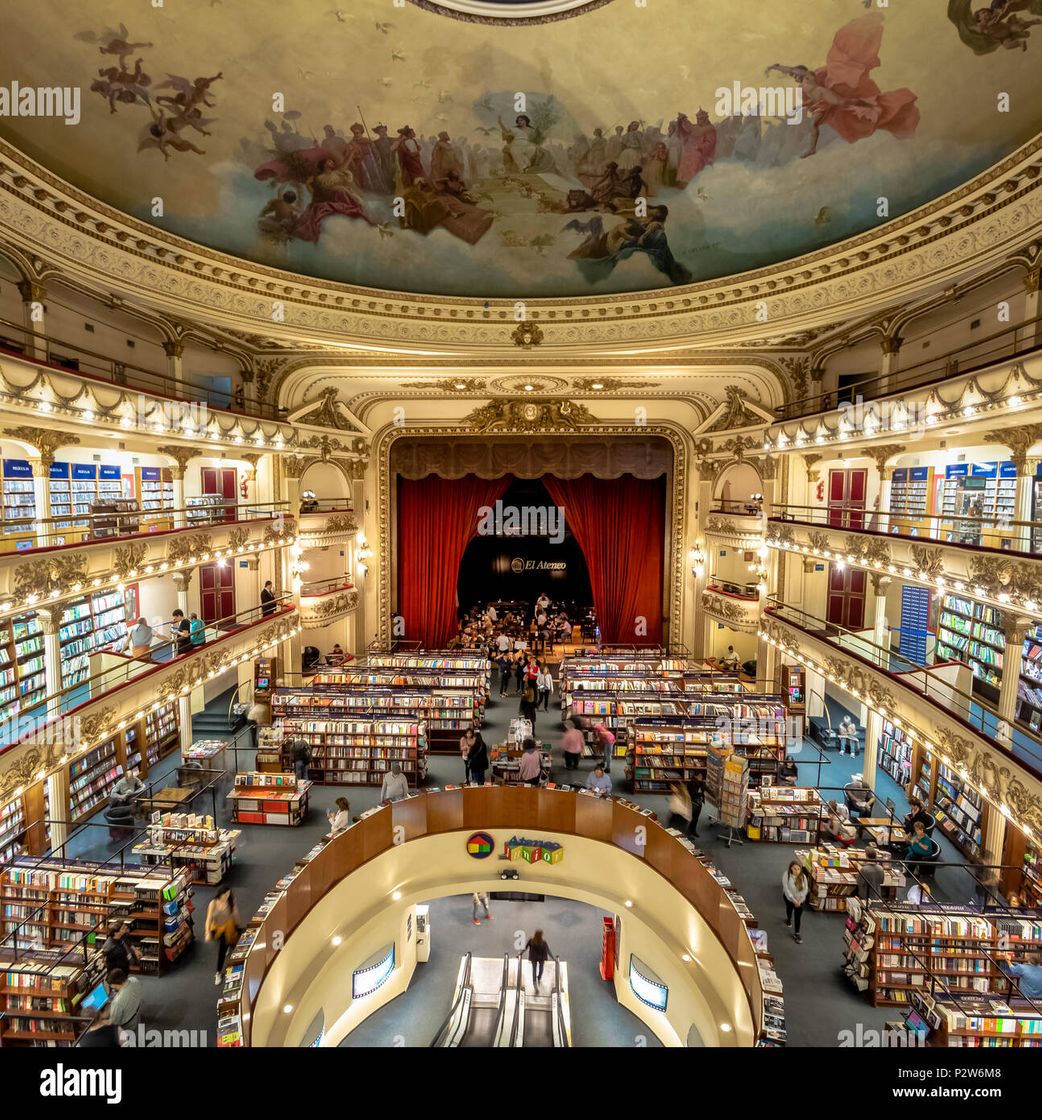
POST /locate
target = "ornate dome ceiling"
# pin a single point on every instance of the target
(536, 148)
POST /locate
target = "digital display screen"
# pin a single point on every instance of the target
(647, 987)
(97, 998)
(262, 682)
(365, 981)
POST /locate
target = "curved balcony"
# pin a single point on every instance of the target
(326, 522)
(327, 601)
(736, 611)
(740, 524)
(933, 701)
(336, 912)
(45, 577)
(1006, 578)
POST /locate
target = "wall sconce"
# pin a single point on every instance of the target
(697, 557)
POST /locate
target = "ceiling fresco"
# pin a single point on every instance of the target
(596, 148)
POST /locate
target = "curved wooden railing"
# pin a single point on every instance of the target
(519, 809)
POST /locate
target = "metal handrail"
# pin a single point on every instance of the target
(519, 998)
(464, 985)
(502, 997)
(97, 684)
(926, 684)
(76, 524)
(558, 1005)
(936, 368)
(325, 586)
(20, 342)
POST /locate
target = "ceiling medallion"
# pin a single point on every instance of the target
(540, 384)
(510, 12)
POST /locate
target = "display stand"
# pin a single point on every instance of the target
(727, 783)
(280, 799)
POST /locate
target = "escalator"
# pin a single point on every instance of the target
(483, 1005)
(542, 1021)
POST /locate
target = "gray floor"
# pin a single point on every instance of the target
(819, 1002)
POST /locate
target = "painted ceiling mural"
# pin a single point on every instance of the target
(604, 147)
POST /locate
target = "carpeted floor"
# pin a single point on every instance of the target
(819, 1002)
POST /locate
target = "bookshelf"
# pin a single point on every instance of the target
(910, 493)
(155, 490)
(207, 509)
(61, 903)
(786, 815)
(895, 952)
(834, 875)
(270, 745)
(88, 624)
(359, 750)
(161, 734)
(192, 842)
(971, 632)
(981, 490)
(114, 517)
(40, 996)
(443, 661)
(961, 812)
(264, 798)
(896, 754)
(18, 510)
(981, 1022)
(91, 778)
(727, 784)
(23, 681)
(1022, 862)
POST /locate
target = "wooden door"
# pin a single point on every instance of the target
(847, 498)
(223, 481)
(846, 597)
(216, 592)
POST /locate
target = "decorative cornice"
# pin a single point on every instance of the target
(527, 415)
(733, 612)
(327, 610)
(180, 455)
(45, 440)
(1019, 440)
(983, 218)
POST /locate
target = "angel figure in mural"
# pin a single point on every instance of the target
(523, 151)
(997, 24)
(189, 96)
(279, 218)
(603, 249)
(116, 83)
(842, 95)
(164, 133)
(113, 42)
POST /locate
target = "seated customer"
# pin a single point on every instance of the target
(858, 796)
(335, 657)
(599, 782)
(920, 844)
(729, 661)
(788, 773)
(847, 734)
(126, 789)
(839, 826)
(917, 812)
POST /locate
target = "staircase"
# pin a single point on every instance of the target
(212, 721)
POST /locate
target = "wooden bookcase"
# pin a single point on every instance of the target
(893, 952)
(359, 751)
(155, 490)
(786, 815)
(40, 996)
(1023, 859)
(185, 840)
(23, 824)
(835, 876)
(961, 812)
(62, 903)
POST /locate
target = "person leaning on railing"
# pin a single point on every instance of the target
(141, 638)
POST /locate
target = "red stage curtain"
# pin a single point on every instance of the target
(619, 524)
(437, 519)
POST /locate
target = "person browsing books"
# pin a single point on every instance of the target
(196, 629)
(140, 638)
(544, 687)
(182, 632)
(599, 781)
(465, 744)
(788, 772)
(395, 785)
(530, 770)
(101, 1034)
(572, 745)
(1027, 974)
(120, 952)
(606, 739)
(301, 754)
(871, 876)
(222, 925)
(795, 888)
(340, 817)
(478, 759)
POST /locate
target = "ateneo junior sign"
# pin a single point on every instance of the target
(519, 564)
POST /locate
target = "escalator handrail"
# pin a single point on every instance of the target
(520, 987)
(464, 985)
(502, 997)
(561, 1026)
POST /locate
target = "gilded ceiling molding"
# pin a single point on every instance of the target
(976, 222)
(676, 506)
(527, 415)
(180, 455)
(737, 413)
(44, 440)
(1019, 439)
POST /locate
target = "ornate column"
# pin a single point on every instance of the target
(1014, 629)
(174, 350)
(287, 578)
(49, 620)
(248, 392)
(180, 455)
(880, 519)
(46, 443)
(880, 586)
(873, 731)
(891, 347)
(1020, 440)
(182, 582)
(1031, 334)
(33, 294)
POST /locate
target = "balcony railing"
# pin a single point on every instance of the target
(998, 534)
(1014, 340)
(326, 505)
(920, 677)
(70, 357)
(746, 592)
(39, 533)
(66, 700)
(319, 588)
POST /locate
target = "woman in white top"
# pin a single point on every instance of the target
(545, 686)
(795, 888)
(340, 817)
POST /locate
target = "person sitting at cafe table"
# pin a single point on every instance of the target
(917, 812)
(127, 788)
(920, 845)
(599, 782)
(859, 797)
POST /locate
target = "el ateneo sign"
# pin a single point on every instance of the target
(519, 565)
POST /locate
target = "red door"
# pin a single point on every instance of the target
(217, 592)
(223, 481)
(846, 602)
(847, 498)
